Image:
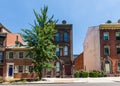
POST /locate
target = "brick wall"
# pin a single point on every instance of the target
(112, 42)
(78, 62)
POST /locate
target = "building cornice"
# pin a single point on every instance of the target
(110, 26)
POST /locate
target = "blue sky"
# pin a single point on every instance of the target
(17, 14)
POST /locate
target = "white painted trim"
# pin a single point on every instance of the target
(8, 64)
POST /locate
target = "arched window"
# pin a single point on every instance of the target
(66, 51)
(57, 66)
(66, 37)
(57, 37)
(118, 65)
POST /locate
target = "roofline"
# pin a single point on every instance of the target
(110, 26)
(5, 28)
(17, 48)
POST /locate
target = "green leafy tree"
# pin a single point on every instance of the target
(40, 41)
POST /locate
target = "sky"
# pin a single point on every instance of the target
(18, 14)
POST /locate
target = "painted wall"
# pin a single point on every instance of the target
(92, 49)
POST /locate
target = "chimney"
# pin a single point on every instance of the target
(16, 38)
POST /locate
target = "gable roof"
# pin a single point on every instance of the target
(11, 39)
(3, 27)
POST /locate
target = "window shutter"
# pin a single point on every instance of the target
(16, 69)
(27, 69)
(24, 69)
(7, 55)
(16, 55)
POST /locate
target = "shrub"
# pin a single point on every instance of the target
(101, 74)
(77, 74)
(93, 74)
(84, 74)
(23, 80)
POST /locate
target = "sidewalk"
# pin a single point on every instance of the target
(76, 80)
(71, 80)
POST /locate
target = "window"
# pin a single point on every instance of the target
(30, 69)
(10, 55)
(30, 55)
(57, 66)
(106, 35)
(66, 51)
(1, 41)
(58, 51)
(106, 50)
(66, 37)
(119, 66)
(57, 37)
(117, 35)
(1, 57)
(118, 49)
(20, 54)
(48, 70)
(20, 69)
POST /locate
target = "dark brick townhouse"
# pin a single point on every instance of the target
(63, 65)
(14, 62)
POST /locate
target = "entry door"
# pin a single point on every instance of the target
(67, 70)
(10, 73)
(107, 67)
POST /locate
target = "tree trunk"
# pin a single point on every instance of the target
(40, 75)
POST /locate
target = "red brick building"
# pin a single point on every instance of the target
(78, 63)
(102, 48)
(14, 62)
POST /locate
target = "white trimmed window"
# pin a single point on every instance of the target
(30, 69)
(20, 69)
(10, 55)
(20, 54)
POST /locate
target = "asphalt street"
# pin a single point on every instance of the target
(71, 84)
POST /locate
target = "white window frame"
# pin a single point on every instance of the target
(9, 54)
(19, 54)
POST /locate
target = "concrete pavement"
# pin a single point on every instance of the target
(71, 80)
(76, 80)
